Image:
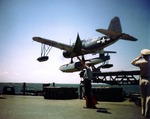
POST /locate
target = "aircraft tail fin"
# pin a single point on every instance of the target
(115, 25)
(114, 30)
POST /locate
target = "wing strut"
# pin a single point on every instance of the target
(44, 52)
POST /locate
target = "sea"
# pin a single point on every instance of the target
(39, 86)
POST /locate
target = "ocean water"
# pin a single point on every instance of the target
(31, 86)
(39, 86)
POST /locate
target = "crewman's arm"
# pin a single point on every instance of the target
(134, 62)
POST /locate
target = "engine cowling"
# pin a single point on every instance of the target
(67, 54)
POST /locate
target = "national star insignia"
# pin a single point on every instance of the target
(103, 40)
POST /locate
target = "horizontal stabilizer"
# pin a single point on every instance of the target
(114, 34)
(109, 33)
(128, 37)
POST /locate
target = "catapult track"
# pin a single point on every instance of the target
(117, 78)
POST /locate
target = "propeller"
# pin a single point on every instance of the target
(78, 45)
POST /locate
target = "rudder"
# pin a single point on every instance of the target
(115, 25)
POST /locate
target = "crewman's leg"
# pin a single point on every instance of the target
(147, 108)
(143, 95)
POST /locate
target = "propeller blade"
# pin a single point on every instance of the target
(78, 45)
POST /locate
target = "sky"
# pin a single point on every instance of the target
(61, 20)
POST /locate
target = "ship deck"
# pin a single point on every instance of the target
(36, 107)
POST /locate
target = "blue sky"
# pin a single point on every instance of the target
(61, 20)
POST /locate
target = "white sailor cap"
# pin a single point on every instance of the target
(145, 52)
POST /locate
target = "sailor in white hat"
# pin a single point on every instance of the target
(143, 62)
(87, 76)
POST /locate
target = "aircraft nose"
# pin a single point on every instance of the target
(60, 68)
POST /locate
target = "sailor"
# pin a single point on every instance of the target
(87, 76)
(143, 62)
(90, 101)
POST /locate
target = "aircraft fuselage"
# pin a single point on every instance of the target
(91, 46)
(97, 43)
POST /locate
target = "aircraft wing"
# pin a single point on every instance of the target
(53, 43)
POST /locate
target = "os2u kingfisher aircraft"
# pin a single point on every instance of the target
(83, 47)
